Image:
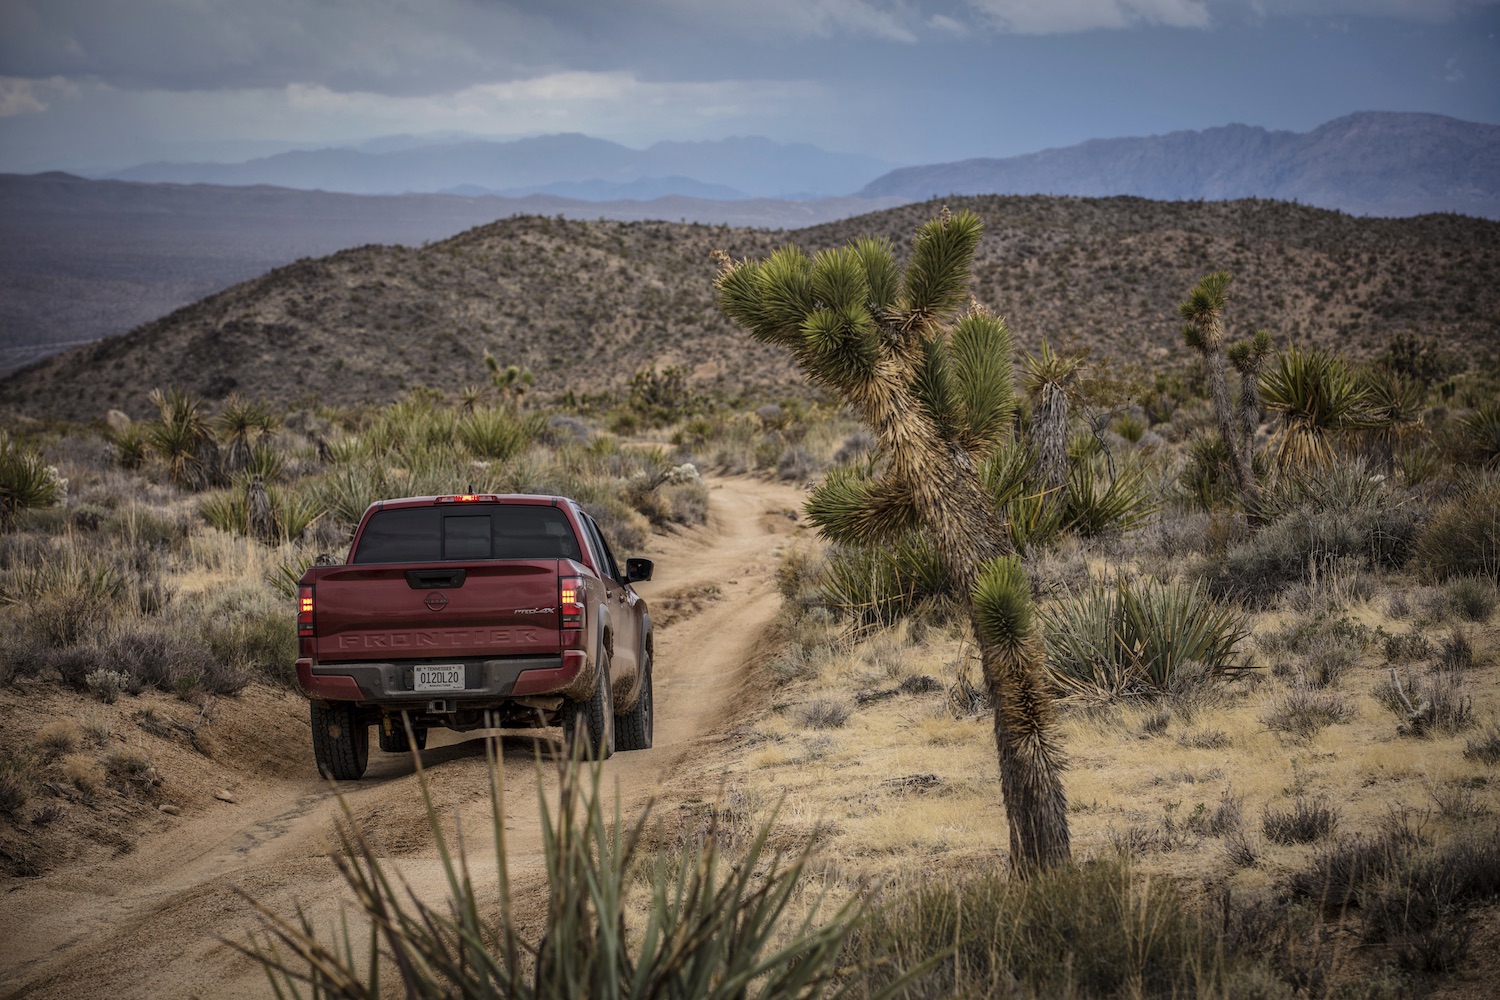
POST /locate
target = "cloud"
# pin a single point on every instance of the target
(1046, 17)
(31, 97)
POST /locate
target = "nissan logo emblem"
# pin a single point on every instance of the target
(436, 601)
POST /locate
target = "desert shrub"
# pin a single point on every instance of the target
(1339, 874)
(1138, 638)
(180, 438)
(59, 736)
(26, 482)
(1479, 431)
(1240, 851)
(157, 655)
(1485, 747)
(107, 685)
(1463, 538)
(824, 713)
(348, 491)
(1410, 895)
(1308, 820)
(497, 434)
(68, 593)
(1125, 502)
(1316, 524)
(743, 938)
(885, 584)
(14, 794)
(1473, 598)
(1087, 931)
(1301, 710)
(249, 642)
(1435, 702)
(1455, 653)
(1226, 818)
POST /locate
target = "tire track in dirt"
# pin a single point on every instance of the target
(149, 923)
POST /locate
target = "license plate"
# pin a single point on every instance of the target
(438, 677)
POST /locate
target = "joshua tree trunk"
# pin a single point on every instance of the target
(1204, 312)
(937, 398)
(959, 518)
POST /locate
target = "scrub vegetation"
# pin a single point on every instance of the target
(1231, 633)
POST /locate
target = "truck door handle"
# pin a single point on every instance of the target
(430, 579)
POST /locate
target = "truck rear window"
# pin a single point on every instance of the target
(446, 534)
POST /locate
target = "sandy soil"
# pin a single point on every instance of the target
(149, 921)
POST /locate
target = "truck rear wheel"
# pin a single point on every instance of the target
(633, 729)
(591, 721)
(341, 742)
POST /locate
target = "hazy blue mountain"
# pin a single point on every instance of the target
(1371, 163)
(641, 189)
(751, 166)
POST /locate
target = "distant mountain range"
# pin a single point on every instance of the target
(1372, 163)
(569, 165)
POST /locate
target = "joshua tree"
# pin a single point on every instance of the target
(936, 392)
(1204, 333)
(1047, 378)
(1249, 358)
(512, 381)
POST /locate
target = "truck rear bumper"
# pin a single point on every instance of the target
(485, 680)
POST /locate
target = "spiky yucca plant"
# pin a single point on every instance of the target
(1480, 428)
(1393, 408)
(180, 437)
(242, 423)
(26, 481)
(1317, 397)
(934, 386)
(714, 928)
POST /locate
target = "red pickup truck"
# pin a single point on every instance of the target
(471, 612)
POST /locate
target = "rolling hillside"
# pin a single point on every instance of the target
(584, 304)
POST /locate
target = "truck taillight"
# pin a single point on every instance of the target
(570, 601)
(305, 611)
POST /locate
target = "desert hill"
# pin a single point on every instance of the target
(1370, 163)
(84, 259)
(584, 304)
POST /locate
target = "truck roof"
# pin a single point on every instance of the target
(534, 499)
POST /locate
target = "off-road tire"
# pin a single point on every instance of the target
(633, 729)
(341, 742)
(591, 721)
(397, 742)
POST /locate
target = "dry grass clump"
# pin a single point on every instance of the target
(1307, 821)
(1301, 710)
(1095, 930)
(1485, 748)
(83, 773)
(59, 736)
(824, 713)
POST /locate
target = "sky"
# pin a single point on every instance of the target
(98, 85)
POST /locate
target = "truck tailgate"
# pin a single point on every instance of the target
(385, 612)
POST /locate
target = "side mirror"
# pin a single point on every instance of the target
(638, 570)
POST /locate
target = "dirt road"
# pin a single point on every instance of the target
(148, 923)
